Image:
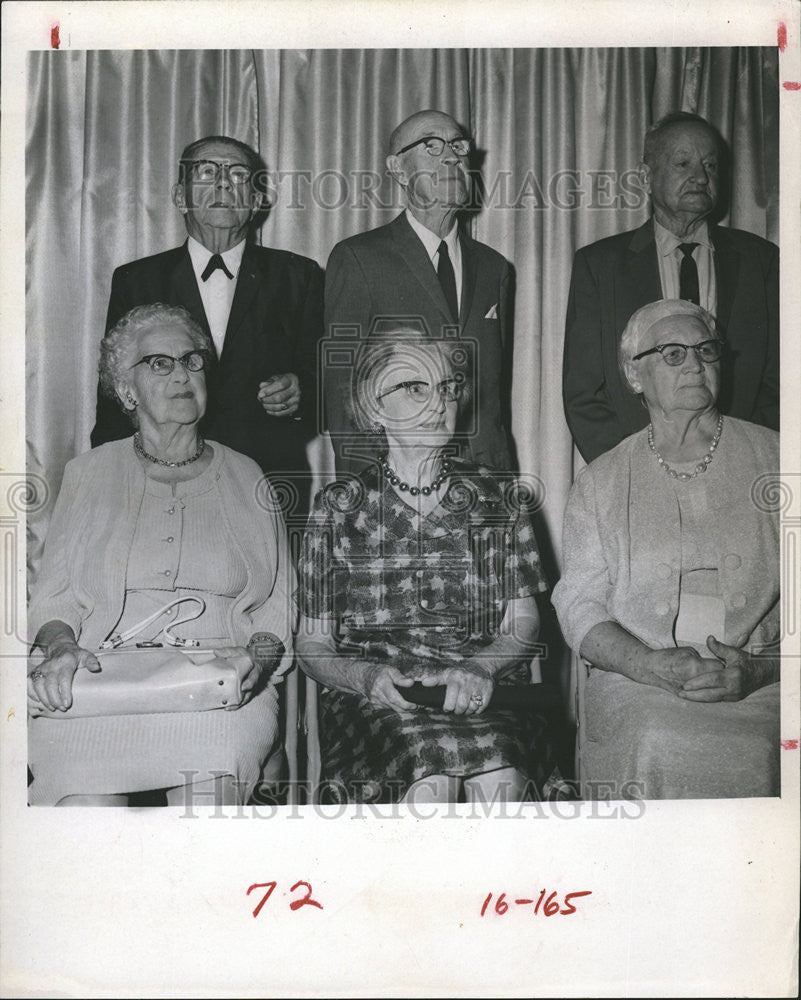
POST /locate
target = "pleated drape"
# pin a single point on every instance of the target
(559, 135)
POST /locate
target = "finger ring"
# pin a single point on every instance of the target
(476, 698)
(37, 675)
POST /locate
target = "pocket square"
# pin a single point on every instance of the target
(493, 313)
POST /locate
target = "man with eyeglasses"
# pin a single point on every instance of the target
(262, 308)
(422, 270)
(680, 253)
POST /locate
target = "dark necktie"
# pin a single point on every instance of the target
(215, 261)
(448, 280)
(688, 274)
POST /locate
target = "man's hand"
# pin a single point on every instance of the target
(280, 395)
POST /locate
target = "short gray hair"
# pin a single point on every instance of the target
(119, 344)
(377, 352)
(642, 321)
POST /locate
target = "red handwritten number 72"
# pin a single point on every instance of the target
(294, 905)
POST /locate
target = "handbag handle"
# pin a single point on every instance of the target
(117, 640)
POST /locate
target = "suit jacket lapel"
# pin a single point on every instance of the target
(415, 258)
(727, 270)
(644, 284)
(469, 275)
(183, 289)
(246, 287)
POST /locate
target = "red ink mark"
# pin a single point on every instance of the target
(789, 744)
(791, 85)
(55, 42)
(265, 897)
(781, 36)
(305, 900)
(550, 909)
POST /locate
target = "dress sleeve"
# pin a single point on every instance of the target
(523, 574)
(581, 596)
(316, 562)
(52, 594)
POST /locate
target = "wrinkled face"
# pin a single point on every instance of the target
(217, 191)
(684, 178)
(180, 396)
(432, 181)
(411, 394)
(691, 385)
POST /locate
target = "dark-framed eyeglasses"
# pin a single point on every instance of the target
(163, 364)
(708, 351)
(210, 171)
(450, 389)
(435, 144)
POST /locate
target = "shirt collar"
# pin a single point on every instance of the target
(666, 242)
(431, 241)
(200, 256)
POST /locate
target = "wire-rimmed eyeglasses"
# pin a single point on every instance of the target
(163, 364)
(450, 389)
(708, 351)
(435, 144)
(210, 171)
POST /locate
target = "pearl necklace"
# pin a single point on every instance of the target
(702, 465)
(160, 461)
(414, 491)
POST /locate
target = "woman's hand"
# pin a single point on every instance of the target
(381, 692)
(468, 688)
(248, 670)
(732, 680)
(50, 682)
(670, 669)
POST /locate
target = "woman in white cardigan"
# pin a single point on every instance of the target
(138, 523)
(671, 581)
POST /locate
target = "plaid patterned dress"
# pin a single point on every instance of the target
(416, 592)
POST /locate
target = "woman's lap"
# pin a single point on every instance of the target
(376, 754)
(140, 752)
(647, 743)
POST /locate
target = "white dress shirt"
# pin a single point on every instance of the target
(670, 257)
(431, 242)
(217, 291)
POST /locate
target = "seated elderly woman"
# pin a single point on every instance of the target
(671, 582)
(422, 569)
(139, 523)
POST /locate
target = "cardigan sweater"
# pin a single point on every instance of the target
(82, 579)
(622, 540)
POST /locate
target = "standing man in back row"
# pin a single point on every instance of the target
(262, 308)
(420, 270)
(680, 253)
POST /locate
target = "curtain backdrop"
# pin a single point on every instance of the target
(559, 133)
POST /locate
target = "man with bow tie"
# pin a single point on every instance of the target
(680, 253)
(262, 308)
(422, 270)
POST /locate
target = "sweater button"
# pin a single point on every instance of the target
(738, 601)
(732, 561)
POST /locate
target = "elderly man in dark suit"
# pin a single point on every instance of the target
(421, 270)
(679, 253)
(262, 308)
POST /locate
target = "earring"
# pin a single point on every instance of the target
(131, 400)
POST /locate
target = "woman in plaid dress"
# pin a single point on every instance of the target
(421, 569)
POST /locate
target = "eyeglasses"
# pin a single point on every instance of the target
(210, 171)
(435, 144)
(163, 364)
(708, 351)
(449, 390)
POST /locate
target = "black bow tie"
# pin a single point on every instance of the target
(215, 262)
